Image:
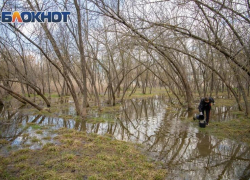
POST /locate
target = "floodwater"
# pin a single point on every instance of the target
(166, 133)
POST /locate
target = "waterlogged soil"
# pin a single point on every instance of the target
(167, 134)
(78, 155)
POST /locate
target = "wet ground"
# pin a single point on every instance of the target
(166, 132)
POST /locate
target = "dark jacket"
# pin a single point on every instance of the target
(205, 106)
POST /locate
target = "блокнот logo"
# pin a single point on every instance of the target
(29, 16)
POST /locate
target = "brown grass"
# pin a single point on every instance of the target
(79, 156)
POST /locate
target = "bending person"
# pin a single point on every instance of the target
(205, 106)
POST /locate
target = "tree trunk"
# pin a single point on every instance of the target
(1, 103)
(21, 98)
(81, 49)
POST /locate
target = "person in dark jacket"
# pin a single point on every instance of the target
(205, 106)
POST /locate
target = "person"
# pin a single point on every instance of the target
(205, 106)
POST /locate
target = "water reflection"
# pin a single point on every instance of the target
(183, 150)
(223, 113)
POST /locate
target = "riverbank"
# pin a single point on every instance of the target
(77, 155)
(235, 129)
(153, 122)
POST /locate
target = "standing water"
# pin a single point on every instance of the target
(165, 133)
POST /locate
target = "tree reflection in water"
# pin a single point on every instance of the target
(183, 150)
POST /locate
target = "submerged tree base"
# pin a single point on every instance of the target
(78, 155)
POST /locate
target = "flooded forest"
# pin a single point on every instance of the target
(109, 89)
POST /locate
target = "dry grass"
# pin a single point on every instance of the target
(80, 156)
(138, 93)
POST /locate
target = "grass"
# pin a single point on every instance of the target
(54, 95)
(39, 132)
(47, 138)
(34, 126)
(35, 139)
(224, 102)
(3, 142)
(138, 93)
(66, 117)
(79, 156)
(236, 129)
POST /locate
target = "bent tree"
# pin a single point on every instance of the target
(191, 48)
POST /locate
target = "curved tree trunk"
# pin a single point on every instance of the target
(21, 98)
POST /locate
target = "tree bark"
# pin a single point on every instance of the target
(21, 98)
